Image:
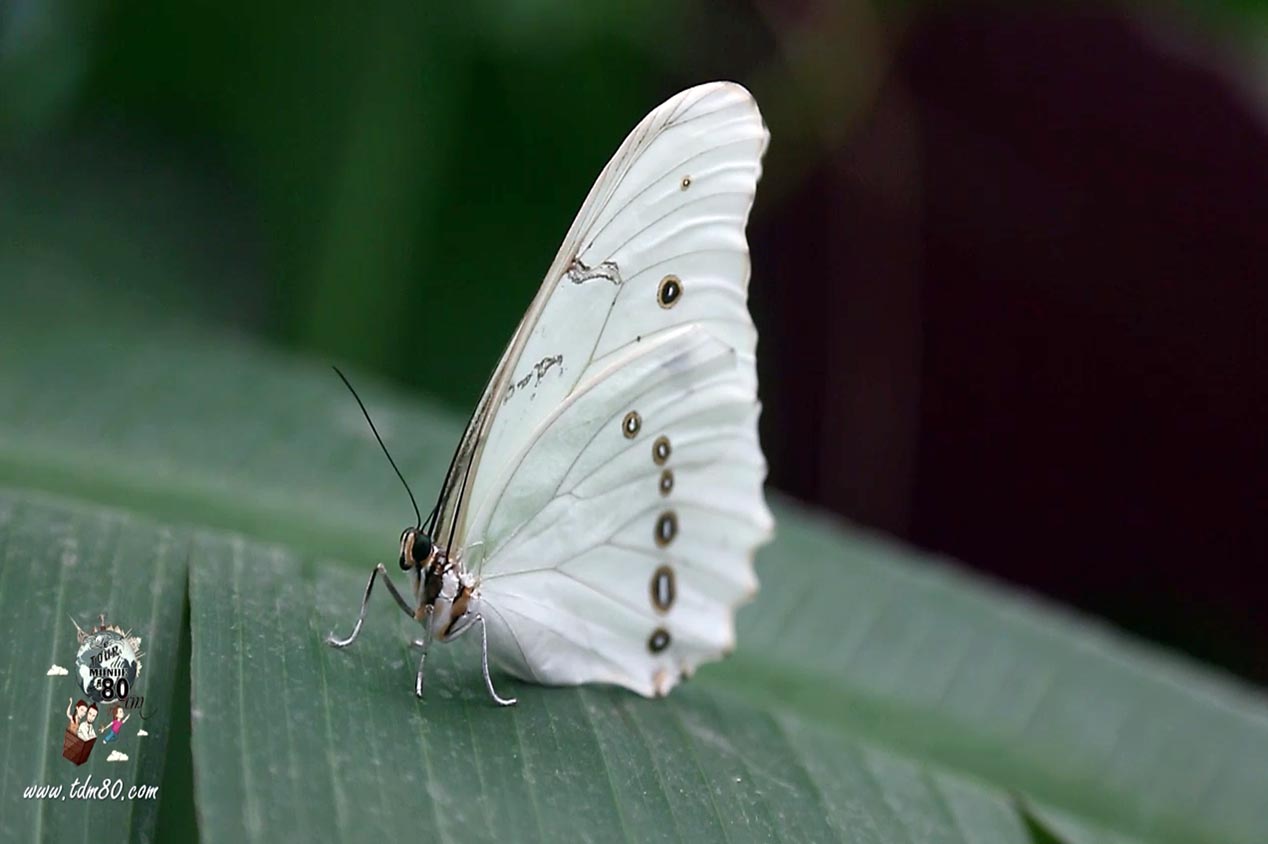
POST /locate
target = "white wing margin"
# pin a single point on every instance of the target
(592, 566)
(631, 569)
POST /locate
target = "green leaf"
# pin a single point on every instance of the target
(876, 695)
(340, 732)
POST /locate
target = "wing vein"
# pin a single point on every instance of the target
(593, 236)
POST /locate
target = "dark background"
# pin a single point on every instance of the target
(1009, 262)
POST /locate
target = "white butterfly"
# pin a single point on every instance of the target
(601, 512)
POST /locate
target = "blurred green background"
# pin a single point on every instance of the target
(383, 185)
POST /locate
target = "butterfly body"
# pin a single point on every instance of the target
(601, 512)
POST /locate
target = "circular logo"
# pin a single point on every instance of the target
(107, 665)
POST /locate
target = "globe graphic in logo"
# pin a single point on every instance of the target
(106, 666)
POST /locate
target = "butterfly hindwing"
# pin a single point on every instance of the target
(613, 534)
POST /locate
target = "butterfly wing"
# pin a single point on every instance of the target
(557, 497)
(631, 570)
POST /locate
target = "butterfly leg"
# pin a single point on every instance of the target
(333, 641)
(488, 682)
(423, 642)
(418, 679)
(462, 626)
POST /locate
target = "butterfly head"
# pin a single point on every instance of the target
(417, 549)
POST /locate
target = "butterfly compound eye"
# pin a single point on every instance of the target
(422, 547)
(415, 548)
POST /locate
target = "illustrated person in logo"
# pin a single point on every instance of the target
(86, 731)
(79, 736)
(111, 733)
(75, 711)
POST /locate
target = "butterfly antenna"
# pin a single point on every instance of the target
(418, 516)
